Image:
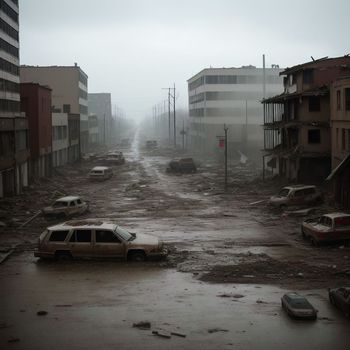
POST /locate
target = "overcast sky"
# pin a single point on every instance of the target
(134, 48)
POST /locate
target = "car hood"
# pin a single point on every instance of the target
(143, 239)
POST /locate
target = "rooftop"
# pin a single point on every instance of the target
(91, 223)
(68, 199)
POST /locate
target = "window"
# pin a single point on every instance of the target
(10, 31)
(66, 108)
(314, 104)
(58, 236)
(348, 139)
(308, 76)
(347, 99)
(104, 236)
(314, 136)
(343, 139)
(72, 204)
(78, 201)
(82, 236)
(338, 100)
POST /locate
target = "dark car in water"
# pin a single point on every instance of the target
(340, 297)
(297, 306)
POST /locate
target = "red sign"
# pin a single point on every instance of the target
(222, 143)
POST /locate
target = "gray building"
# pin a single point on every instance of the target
(100, 105)
(14, 151)
(230, 96)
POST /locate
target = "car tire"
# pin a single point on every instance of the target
(137, 256)
(63, 256)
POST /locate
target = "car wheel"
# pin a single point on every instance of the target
(63, 256)
(137, 256)
(331, 299)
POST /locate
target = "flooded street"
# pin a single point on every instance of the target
(229, 264)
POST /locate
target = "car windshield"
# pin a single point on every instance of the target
(124, 234)
(300, 303)
(284, 192)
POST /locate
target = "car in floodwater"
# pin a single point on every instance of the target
(297, 306)
(295, 196)
(340, 297)
(66, 207)
(182, 165)
(100, 173)
(95, 238)
(327, 228)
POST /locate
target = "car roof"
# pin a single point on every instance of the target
(299, 187)
(67, 199)
(87, 223)
(294, 295)
(100, 168)
(336, 215)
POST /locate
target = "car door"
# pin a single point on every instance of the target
(81, 243)
(107, 244)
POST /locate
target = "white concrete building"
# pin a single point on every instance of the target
(230, 96)
(69, 86)
(60, 141)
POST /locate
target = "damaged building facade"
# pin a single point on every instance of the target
(230, 96)
(297, 130)
(14, 150)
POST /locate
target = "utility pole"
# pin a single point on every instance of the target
(225, 129)
(174, 98)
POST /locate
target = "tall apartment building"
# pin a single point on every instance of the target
(297, 122)
(100, 104)
(13, 125)
(69, 86)
(230, 96)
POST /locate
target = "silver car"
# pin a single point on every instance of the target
(66, 207)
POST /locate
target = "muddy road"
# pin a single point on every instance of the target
(229, 264)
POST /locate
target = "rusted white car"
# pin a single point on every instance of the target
(327, 228)
(95, 238)
(66, 207)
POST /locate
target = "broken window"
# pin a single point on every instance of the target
(104, 236)
(308, 76)
(347, 99)
(314, 136)
(58, 236)
(81, 236)
(314, 104)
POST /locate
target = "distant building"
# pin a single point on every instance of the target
(340, 129)
(36, 104)
(73, 137)
(69, 86)
(297, 122)
(93, 132)
(230, 96)
(14, 151)
(100, 104)
(60, 139)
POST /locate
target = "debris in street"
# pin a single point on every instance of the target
(42, 313)
(162, 334)
(31, 219)
(2, 259)
(13, 340)
(142, 325)
(215, 330)
(182, 335)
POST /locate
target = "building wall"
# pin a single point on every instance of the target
(100, 104)
(60, 141)
(229, 96)
(69, 91)
(13, 125)
(73, 138)
(340, 120)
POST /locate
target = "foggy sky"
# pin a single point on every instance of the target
(134, 48)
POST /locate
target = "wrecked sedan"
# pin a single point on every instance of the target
(65, 207)
(340, 297)
(96, 238)
(295, 196)
(327, 228)
(182, 165)
(297, 306)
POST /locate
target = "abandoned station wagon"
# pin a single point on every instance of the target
(96, 239)
(66, 206)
